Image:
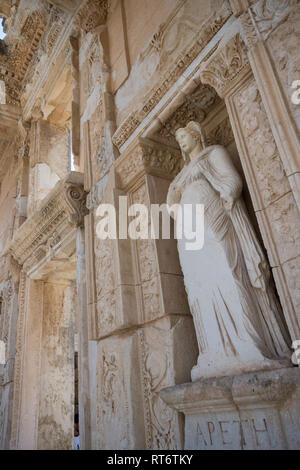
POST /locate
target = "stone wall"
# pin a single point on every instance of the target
(104, 85)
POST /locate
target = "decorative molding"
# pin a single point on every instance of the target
(43, 234)
(20, 53)
(208, 30)
(69, 6)
(18, 365)
(226, 66)
(146, 156)
(196, 107)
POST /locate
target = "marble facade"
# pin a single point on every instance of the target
(94, 93)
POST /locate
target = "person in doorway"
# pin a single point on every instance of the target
(76, 433)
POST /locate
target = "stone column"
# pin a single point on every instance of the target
(75, 144)
(229, 72)
(56, 403)
(44, 374)
(83, 352)
(27, 433)
(46, 412)
(8, 322)
(49, 159)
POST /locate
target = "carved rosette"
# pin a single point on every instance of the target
(226, 66)
(55, 220)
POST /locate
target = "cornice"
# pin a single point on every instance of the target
(52, 226)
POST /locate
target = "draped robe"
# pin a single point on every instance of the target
(236, 313)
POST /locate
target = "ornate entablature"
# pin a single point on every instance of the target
(47, 239)
(207, 31)
(23, 39)
(32, 36)
(92, 14)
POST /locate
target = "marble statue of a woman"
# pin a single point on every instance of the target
(237, 317)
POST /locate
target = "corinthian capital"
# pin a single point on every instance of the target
(226, 66)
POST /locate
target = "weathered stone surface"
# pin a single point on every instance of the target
(100, 87)
(247, 412)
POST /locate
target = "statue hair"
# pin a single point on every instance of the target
(197, 132)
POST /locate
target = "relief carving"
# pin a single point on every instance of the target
(196, 107)
(225, 66)
(159, 418)
(93, 14)
(147, 156)
(167, 80)
(269, 172)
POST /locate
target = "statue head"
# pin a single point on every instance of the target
(190, 138)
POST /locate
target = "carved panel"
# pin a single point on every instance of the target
(114, 381)
(105, 286)
(267, 167)
(148, 269)
(155, 359)
(267, 14)
(283, 46)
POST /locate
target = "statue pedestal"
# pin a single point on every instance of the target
(259, 410)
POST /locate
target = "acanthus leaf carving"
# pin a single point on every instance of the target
(147, 156)
(225, 66)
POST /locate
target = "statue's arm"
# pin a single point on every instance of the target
(175, 191)
(230, 182)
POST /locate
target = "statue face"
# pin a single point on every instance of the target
(186, 140)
